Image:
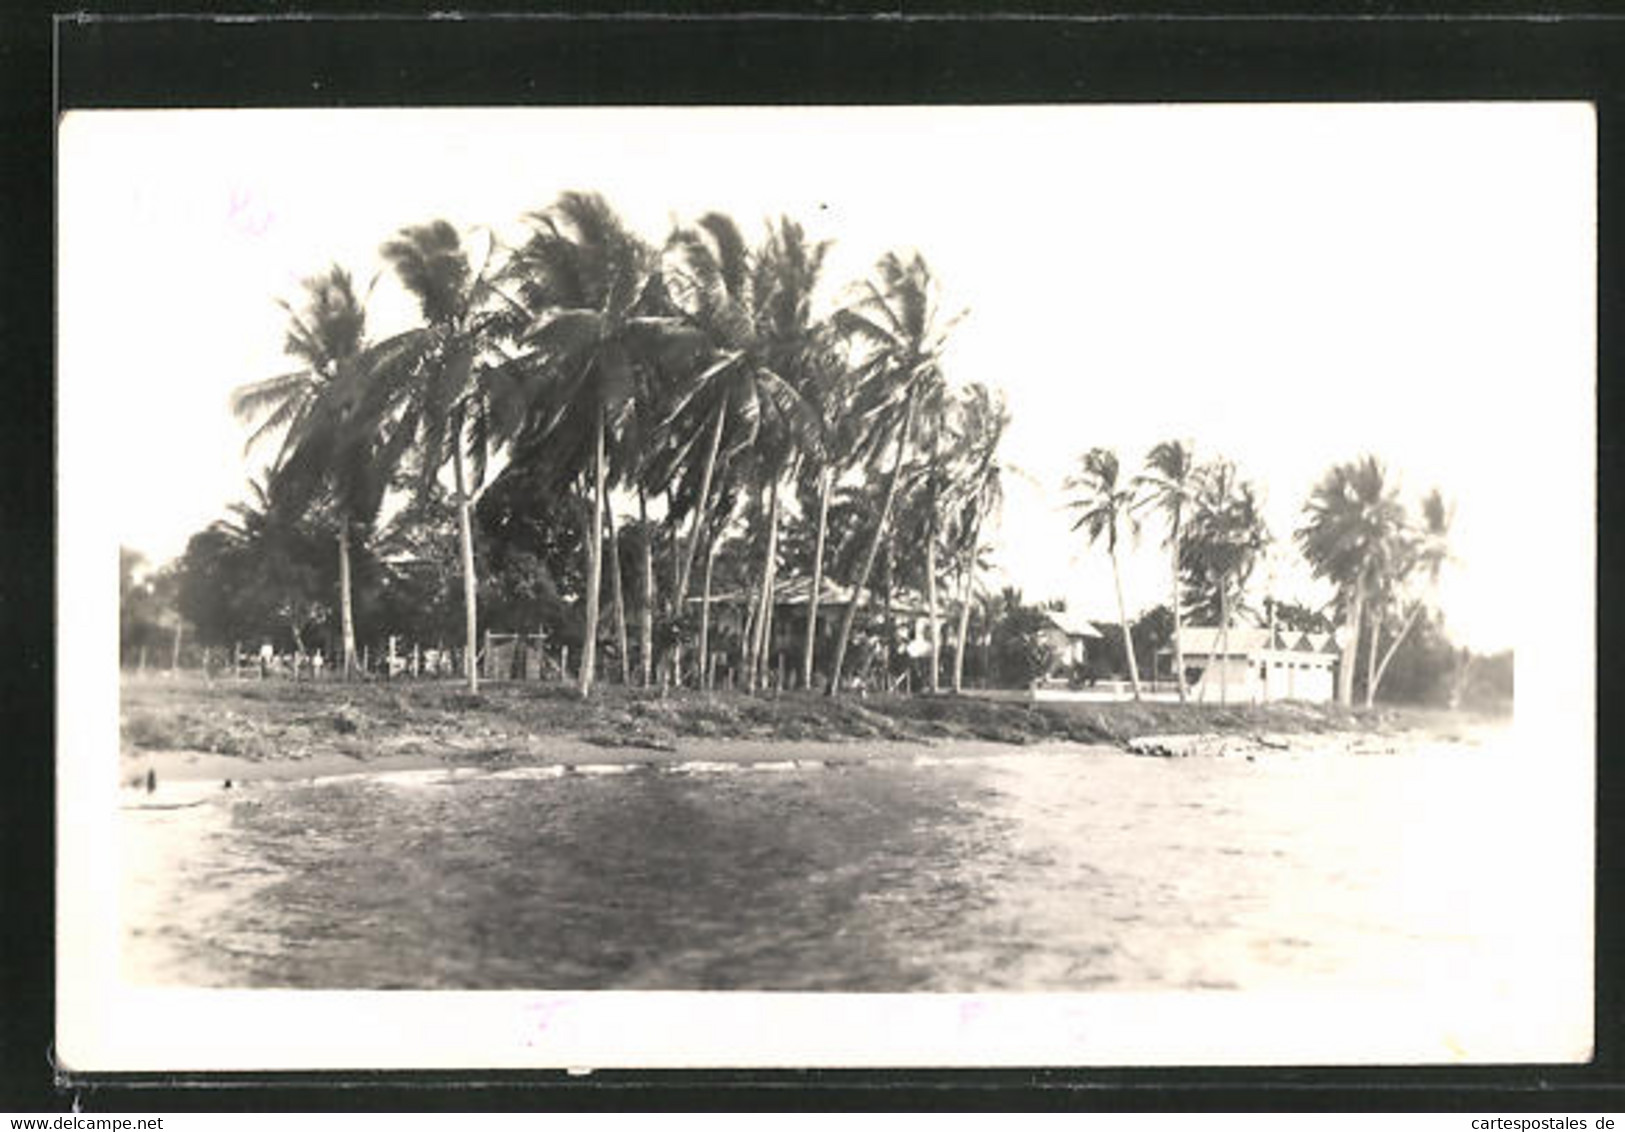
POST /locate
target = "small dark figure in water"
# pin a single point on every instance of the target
(227, 786)
(152, 780)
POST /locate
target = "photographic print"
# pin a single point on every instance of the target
(827, 586)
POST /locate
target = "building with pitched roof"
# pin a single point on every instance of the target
(1255, 665)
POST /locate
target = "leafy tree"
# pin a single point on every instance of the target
(1020, 646)
(326, 334)
(1347, 535)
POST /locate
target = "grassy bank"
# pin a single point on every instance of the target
(276, 720)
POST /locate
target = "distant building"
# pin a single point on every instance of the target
(1069, 635)
(1253, 667)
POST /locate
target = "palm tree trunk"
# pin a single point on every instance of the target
(862, 580)
(764, 630)
(465, 534)
(701, 506)
(618, 598)
(887, 572)
(674, 656)
(346, 610)
(965, 581)
(1382, 666)
(1122, 619)
(1179, 622)
(705, 611)
(752, 608)
(1224, 638)
(1371, 655)
(646, 623)
(1345, 666)
(595, 556)
(824, 483)
(931, 601)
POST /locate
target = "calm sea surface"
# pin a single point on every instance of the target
(1067, 869)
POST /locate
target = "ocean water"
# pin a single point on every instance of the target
(1065, 869)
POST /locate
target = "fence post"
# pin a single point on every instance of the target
(365, 665)
(175, 658)
(414, 660)
(236, 660)
(490, 658)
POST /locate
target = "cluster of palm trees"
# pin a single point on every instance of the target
(1358, 536)
(1215, 527)
(1355, 534)
(694, 372)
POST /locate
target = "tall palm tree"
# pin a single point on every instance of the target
(1169, 485)
(896, 323)
(435, 387)
(1419, 556)
(1104, 503)
(1225, 536)
(593, 289)
(746, 307)
(1346, 536)
(980, 422)
(326, 335)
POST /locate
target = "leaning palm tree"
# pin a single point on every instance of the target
(325, 335)
(593, 289)
(1418, 557)
(1346, 536)
(895, 321)
(1169, 485)
(728, 295)
(433, 390)
(978, 478)
(1104, 504)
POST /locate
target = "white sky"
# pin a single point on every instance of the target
(1286, 286)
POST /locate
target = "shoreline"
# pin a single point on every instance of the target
(192, 730)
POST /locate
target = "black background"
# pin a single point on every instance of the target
(817, 54)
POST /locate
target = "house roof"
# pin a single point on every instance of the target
(1073, 625)
(1203, 640)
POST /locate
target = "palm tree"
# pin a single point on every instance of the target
(1347, 533)
(1222, 544)
(434, 388)
(1169, 485)
(1105, 506)
(896, 322)
(747, 308)
(978, 493)
(594, 290)
(326, 335)
(1420, 554)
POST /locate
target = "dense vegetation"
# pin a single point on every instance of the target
(596, 437)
